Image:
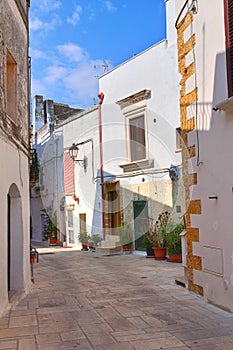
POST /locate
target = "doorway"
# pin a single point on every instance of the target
(14, 265)
(140, 210)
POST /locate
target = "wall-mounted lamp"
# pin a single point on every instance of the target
(213, 197)
(73, 152)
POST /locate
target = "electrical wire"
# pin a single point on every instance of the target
(196, 102)
(138, 173)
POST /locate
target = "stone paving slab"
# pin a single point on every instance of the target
(83, 300)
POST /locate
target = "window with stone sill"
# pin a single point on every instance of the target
(134, 110)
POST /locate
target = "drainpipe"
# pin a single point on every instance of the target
(101, 98)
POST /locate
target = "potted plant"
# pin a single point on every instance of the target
(94, 241)
(173, 242)
(83, 238)
(126, 236)
(50, 229)
(148, 245)
(156, 235)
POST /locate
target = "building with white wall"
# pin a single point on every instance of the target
(14, 152)
(140, 117)
(206, 67)
(47, 185)
(131, 144)
(83, 205)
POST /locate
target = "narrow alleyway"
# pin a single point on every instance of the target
(82, 300)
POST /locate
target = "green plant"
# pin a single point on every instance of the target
(50, 228)
(173, 239)
(146, 242)
(126, 234)
(156, 234)
(96, 239)
(83, 237)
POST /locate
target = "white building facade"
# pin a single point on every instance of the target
(14, 153)
(206, 107)
(130, 143)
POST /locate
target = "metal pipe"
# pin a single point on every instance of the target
(101, 98)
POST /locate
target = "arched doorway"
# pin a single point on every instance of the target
(15, 273)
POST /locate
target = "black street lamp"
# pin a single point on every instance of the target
(73, 152)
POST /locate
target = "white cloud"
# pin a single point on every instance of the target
(38, 54)
(47, 5)
(37, 24)
(55, 73)
(110, 7)
(75, 78)
(74, 52)
(82, 83)
(75, 18)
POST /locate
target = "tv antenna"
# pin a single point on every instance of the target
(104, 65)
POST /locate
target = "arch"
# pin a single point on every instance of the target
(14, 240)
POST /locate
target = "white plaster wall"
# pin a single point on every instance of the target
(50, 155)
(77, 129)
(154, 69)
(14, 171)
(215, 149)
(36, 207)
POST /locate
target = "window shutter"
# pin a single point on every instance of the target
(137, 138)
(229, 43)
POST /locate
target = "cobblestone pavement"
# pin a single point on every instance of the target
(82, 300)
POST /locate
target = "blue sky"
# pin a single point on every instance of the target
(72, 42)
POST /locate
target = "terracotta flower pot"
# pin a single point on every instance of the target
(125, 248)
(84, 246)
(52, 240)
(175, 258)
(160, 253)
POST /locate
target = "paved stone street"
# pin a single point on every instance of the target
(82, 300)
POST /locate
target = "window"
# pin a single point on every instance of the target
(71, 236)
(137, 138)
(70, 218)
(70, 224)
(11, 86)
(134, 108)
(229, 43)
(82, 223)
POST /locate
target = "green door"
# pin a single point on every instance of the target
(140, 209)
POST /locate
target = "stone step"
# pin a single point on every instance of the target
(110, 244)
(103, 250)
